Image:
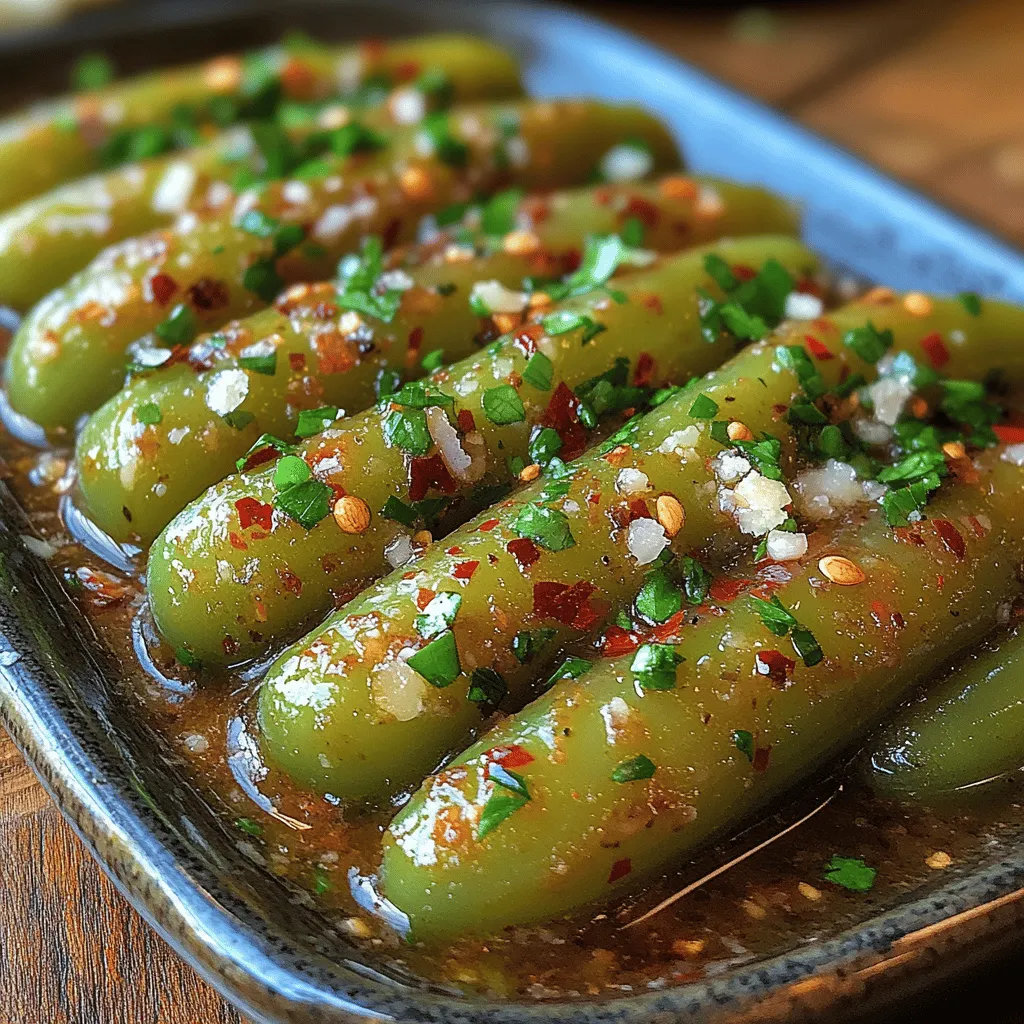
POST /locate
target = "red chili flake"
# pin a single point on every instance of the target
(775, 665)
(407, 70)
(976, 525)
(940, 580)
(722, 590)
(465, 570)
(466, 422)
(643, 209)
(237, 542)
(935, 349)
(290, 581)
(562, 416)
(410, 575)
(761, 758)
(414, 343)
(230, 645)
(488, 526)
(163, 286)
(423, 597)
(653, 303)
(372, 50)
(297, 361)
(897, 620)
(638, 510)
(1009, 434)
(252, 511)
(644, 372)
(257, 458)
(512, 756)
(885, 616)
(669, 628)
(620, 869)
(603, 196)
(454, 550)
(298, 80)
(818, 350)
(429, 472)
(207, 294)
(952, 539)
(619, 641)
(743, 272)
(563, 603)
(389, 236)
(524, 551)
(909, 535)
(536, 209)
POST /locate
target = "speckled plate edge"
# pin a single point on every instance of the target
(167, 854)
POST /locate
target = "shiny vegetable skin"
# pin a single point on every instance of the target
(55, 141)
(963, 734)
(721, 742)
(49, 237)
(134, 480)
(68, 356)
(223, 587)
(327, 707)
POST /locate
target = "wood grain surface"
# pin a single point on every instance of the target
(929, 91)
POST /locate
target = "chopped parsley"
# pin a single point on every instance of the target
(779, 620)
(300, 496)
(528, 643)
(92, 71)
(634, 769)
(659, 599)
(566, 320)
(750, 307)
(180, 327)
(239, 419)
(487, 687)
(266, 441)
(654, 666)
(502, 405)
(632, 232)
(508, 796)
(249, 827)
(868, 342)
(547, 527)
(358, 276)
(696, 580)
(399, 512)
(407, 429)
(795, 358)
(744, 743)
(602, 255)
(448, 148)
(265, 364)
(313, 421)
(571, 668)
(438, 662)
(262, 279)
(544, 445)
(539, 372)
(971, 302)
(433, 360)
(850, 873)
(148, 413)
(498, 216)
(704, 408)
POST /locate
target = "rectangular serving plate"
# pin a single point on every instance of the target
(261, 943)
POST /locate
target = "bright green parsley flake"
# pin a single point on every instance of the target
(487, 687)
(528, 643)
(632, 232)
(186, 657)
(654, 666)
(696, 580)
(498, 216)
(399, 512)
(148, 413)
(831, 443)
(262, 279)
(266, 441)
(438, 615)
(779, 620)
(905, 504)
(265, 364)
(795, 358)
(249, 827)
(868, 342)
(704, 408)
(635, 769)
(314, 421)
(750, 307)
(744, 743)
(180, 327)
(547, 527)
(601, 258)
(438, 662)
(321, 880)
(92, 71)
(509, 795)
(407, 429)
(971, 302)
(565, 320)
(448, 148)
(433, 360)
(307, 502)
(502, 405)
(571, 668)
(358, 289)
(539, 372)
(239, 419)
(659, 599)
(544, 445)
(355, 137)
(850, 873)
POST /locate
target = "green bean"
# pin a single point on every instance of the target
(68, 356)
(49, 237)
(58, 140)
(637, 762)
(135, 476)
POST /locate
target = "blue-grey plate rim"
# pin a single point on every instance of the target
(279, 960)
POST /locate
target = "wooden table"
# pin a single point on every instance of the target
(930, 90)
